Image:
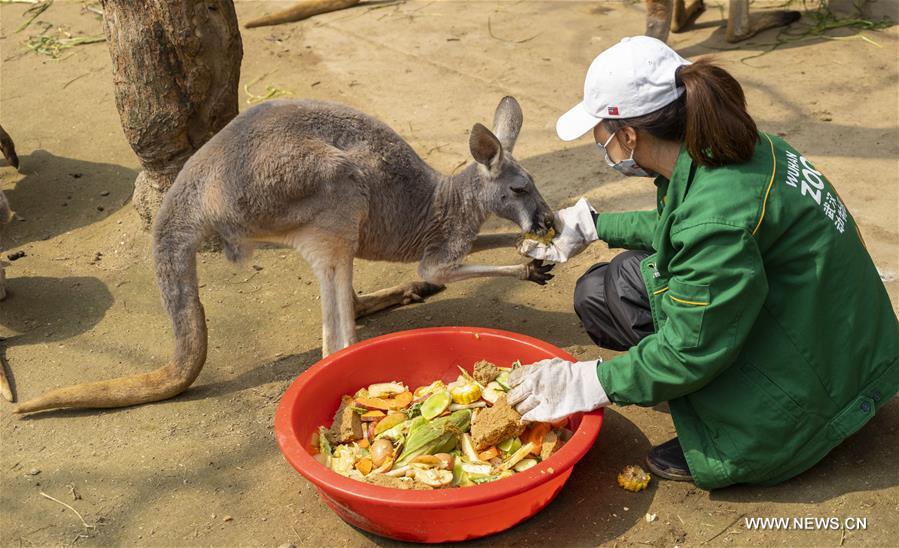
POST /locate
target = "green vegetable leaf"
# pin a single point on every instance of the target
(324, 446)
(414, 410)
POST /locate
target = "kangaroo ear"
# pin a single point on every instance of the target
(485, 147)
(507, 122)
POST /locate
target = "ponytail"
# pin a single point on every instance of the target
(719, 131)
(709, 117)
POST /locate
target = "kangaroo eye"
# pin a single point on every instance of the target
(519, 189)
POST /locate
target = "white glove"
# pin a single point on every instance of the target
(577, 230)
(549, 390)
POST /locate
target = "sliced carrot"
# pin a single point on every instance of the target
(373, 415)
(401, 400)
(363, 443)
(364, 466)
(536, 434)
(373, 403)
(488, 454)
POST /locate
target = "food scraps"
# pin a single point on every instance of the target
(442, 435)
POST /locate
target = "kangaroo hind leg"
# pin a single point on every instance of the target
(331, 260)
(399, 295)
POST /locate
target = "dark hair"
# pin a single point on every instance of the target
(710, 117)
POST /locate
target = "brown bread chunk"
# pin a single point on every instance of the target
(496, 424)
(347, 425)
(485, 372)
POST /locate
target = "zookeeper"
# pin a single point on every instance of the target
(747, 299)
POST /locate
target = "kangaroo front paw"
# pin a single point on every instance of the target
(538, 272)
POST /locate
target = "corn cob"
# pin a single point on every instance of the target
(633, 478)
(467, 393)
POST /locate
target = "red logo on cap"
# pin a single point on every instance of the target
(613, 111)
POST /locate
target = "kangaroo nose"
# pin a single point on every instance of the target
(544, 222)
(549, 220)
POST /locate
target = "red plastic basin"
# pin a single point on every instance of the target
(418, 357)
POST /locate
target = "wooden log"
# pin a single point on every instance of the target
(301, 10)
(176, 65)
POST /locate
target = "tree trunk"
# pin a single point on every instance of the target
(176, 66)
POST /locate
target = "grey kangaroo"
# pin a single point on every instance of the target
(8, 148)
(334, 184)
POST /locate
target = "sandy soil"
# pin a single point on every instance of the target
(204, 469)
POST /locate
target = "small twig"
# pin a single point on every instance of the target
(385, 5)
(245, 280)
(53, 46)
(64, 86)
(854, 36)
(86, 524)
(842, 536)
(721, 532)
(432, 149)
(94, 9)
(490, 30)
(34, 12)
(271, 91)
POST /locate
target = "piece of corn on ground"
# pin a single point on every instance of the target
(633, 478)
(467, 393)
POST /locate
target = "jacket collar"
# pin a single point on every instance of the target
(675, 190)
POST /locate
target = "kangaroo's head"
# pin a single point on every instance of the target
(508, 188)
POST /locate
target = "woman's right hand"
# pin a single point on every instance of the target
(577, 229)
(551, 389)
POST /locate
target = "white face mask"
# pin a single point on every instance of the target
(626, 167)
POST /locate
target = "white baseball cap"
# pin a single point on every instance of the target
(634, 77)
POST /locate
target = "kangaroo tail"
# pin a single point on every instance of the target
(301, 10)
(175, 247)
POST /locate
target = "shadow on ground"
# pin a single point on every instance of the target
(802, 34)
(58, 194)
(588, 510)
(36, 312)
(41, 309)
(858, 464)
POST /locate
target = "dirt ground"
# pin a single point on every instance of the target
(204, 469)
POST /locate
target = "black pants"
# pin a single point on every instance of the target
(612, 302)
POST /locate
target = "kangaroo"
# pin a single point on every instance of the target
(8, 148)
(675, 15)
(661, 16)
(334, 184)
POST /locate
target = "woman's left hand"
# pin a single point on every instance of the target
(577, 229)
(549, 390)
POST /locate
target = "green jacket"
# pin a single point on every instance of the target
(775, 338)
